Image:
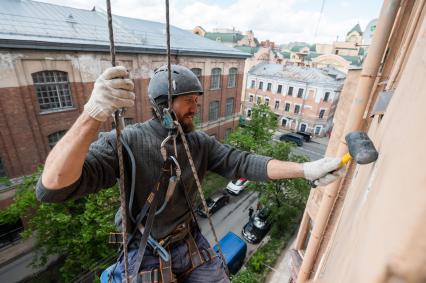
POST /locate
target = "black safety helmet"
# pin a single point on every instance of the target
(184, 82)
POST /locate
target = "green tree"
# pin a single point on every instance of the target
(76, 230)
(285, 198)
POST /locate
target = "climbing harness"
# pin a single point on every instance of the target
(169, 177)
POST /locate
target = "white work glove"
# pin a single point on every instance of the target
(324, 171)
(112, 91)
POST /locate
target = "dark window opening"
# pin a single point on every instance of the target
(215, 78)
(55, 137)
(280, 89)
(232, 78)
(321, 114)
(290, 91)
(326, 96)
(214, 110)
(10, 233)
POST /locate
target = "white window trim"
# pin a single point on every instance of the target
(269, 100)
(303, 92)
(289, 109)
(251, 95)
(247, 110)
(260, 98)
(300, 109)
(315, 128)
(325, 111)
(286, 123)
(303, 123)
(279, 103)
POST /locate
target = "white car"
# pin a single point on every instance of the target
(235, 187)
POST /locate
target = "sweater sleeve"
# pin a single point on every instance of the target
(232, 163)
(100, 170)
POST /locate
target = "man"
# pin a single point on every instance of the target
(75, 168)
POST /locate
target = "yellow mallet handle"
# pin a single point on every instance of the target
(345, 159)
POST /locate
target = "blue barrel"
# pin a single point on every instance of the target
(234, 250)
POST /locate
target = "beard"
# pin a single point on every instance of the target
(187, 125)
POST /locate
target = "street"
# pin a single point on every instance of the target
(232, 217)
(311, 149)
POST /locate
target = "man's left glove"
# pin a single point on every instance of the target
(324, 171)
(112, 91)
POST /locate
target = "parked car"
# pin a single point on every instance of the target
(306, 136)
(213, 204)
(235, 187)
(291, 137)
(234, 251)
(257, 226)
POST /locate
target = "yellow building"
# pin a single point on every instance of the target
(370, 226)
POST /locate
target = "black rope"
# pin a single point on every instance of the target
(118, 128)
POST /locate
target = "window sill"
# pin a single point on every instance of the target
(58, 111)
(218, 88)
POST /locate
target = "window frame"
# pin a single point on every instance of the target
(55, 135)
(269, 87)
(277, 105)
(290, 91)
(285, 107)
(326, 96)
(227, 114)
(215, 78)
(298, 107)
(214, 111)
(52, 87)
(300, 93)
(234, 76)
(261, 85)
(280, 89)
(322, 111)
(199, 76)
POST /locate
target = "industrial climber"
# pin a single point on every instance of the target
(76, 167)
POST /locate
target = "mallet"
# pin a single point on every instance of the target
(361, 149)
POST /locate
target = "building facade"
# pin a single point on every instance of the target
(369, 226)
(47, 75)
(304, 98)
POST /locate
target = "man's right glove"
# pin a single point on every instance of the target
(112, 91)
(324, 171)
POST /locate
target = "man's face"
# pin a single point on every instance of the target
(185, 108)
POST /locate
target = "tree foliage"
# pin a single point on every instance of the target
(285, 198)
(76, 230)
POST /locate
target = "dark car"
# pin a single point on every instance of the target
(213, 204)
(257, 227)
(291, 137)
(306, 136)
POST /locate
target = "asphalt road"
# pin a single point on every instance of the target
(313, 150)
(231, 217)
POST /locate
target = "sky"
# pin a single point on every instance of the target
(281, 21)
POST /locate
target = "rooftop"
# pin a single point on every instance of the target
(36, 25)
(297, 73)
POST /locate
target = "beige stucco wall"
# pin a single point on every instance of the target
(381, 232)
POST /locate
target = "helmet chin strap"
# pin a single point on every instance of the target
(165, 115)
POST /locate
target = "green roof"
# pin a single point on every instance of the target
(286, 54)
(224, 36)
(356, 28)
(313, 55)
(355, 60)
(297, 48)
(247, 49)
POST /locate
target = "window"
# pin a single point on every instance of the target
(55, 137)
(284, 122)
(10, 233)
(296, 109)
(303, 127)
(266, 101)
(261, 85)
(215, 78)
(277, 105)
(253, 84)
(214, 110)
(229, 109)
(128, 121)
(248, 112)
(2, 169)
(232, 77)
(251, 98)
(280, 89)
(53, 90)
(259, 100)
(290, 91)
(318, 130)
(287, 107)
(197, 72)
(321, 114)
(300, 92)
(269, 87)
(326, 96)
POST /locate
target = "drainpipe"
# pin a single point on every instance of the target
(354, 122)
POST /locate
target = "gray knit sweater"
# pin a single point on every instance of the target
(100, 170)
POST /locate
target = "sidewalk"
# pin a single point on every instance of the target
(281, 272)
